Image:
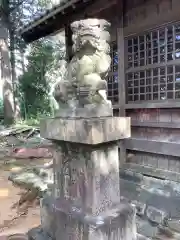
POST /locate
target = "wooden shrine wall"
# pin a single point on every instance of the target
(152, 73)
(151, 69)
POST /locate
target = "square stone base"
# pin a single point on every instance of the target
(38, 234)
(117, 223)
(86, 131)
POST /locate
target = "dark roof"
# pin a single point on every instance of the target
(54, 19)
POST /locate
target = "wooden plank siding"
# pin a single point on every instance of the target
(154, 147)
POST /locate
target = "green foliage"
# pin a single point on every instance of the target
(30, 121)
(43, 59)
(32, 85)
(1, 107)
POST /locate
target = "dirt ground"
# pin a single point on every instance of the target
(11, 220)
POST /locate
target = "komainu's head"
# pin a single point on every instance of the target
(89, 32)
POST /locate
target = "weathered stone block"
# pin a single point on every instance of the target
(87, 131)
(131, 176)
(155, 215)
(140, 207)
(146, 229)
(88, 175)
(174, 225)
(47, 216)
(38, 234)
(117, 223)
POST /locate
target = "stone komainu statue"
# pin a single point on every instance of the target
(84, 81)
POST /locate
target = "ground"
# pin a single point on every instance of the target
(11, 220)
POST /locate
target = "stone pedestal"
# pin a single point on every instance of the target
(86, 200)
(85, 204)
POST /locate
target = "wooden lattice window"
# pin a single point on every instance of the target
(112, 78)
(153, 65)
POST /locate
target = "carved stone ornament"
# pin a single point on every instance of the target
(84, 81)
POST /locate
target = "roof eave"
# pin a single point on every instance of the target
(53, 20)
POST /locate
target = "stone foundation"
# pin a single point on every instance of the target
(116, 223)
(65, 221)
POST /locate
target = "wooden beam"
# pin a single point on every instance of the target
(99, 7)
(171, 125)
(149, 23)
(158, 147)
(121, 72)
(57, 19)
(152, 172)
(47, 16)
(69, 43)
(154, 104)
(153, 66)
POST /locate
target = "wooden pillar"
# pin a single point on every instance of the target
(121, 71)
(69, 43)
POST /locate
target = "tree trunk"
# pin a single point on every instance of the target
(11, 106)
(8, 98)
(9, 109)
(17, 113)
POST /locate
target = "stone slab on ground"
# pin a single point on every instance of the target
(146, 229)
(33, 178)
(160, 199)
(163, 197)
(155, 215)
